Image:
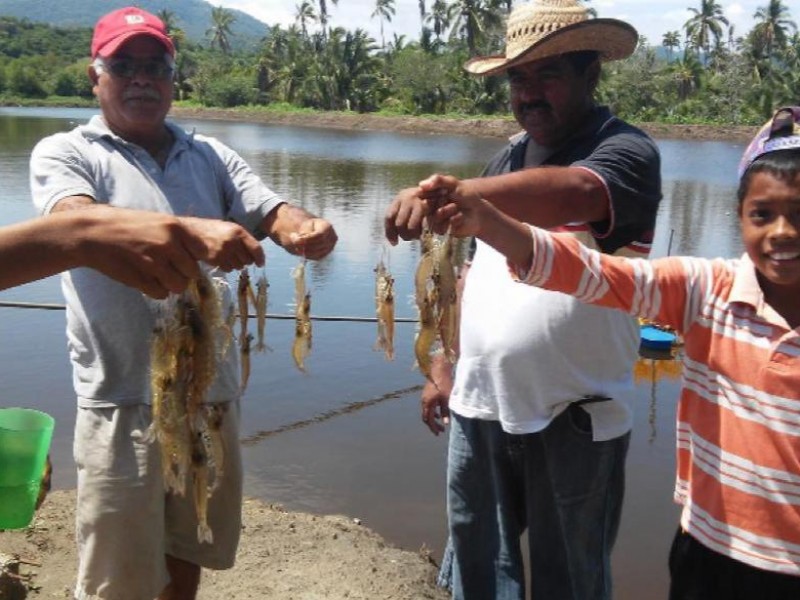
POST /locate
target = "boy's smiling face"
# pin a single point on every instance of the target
(769, 216)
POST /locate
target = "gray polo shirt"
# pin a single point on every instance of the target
(109, 324)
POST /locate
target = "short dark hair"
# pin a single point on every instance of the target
(781, 164)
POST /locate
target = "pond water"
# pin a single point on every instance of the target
(346, 437)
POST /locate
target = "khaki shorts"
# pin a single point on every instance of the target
(126, 523)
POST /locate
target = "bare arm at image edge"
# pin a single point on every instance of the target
(154, 252)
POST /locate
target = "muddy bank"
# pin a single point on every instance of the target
(490, 127)
(282, 555)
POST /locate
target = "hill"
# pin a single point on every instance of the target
(193, 16)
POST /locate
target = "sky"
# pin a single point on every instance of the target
(651, 19)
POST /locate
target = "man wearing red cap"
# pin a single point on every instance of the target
(136, 542)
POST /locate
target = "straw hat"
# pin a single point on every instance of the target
(544, 28)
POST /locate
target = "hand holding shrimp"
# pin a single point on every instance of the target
(453, 203)
(300, 233)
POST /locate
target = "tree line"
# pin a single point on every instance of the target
(704, 73)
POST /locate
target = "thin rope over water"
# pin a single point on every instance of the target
(260, 436)
(46, 306)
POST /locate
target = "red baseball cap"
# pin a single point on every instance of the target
(116, 28)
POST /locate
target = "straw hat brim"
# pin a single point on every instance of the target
(612, 38)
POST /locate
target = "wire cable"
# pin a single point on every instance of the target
(277, 316)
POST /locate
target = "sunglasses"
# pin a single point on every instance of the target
(127, 68)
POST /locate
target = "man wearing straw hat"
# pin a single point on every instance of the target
(539, 425)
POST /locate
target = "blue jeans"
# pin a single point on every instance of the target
(561, 486)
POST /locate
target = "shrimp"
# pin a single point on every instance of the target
(302, 333)
(244, 353)
(183, 362)
(203, 316)
(426, 296)
(215, 415)
(299, 276)
(424, 271)
(167, 397)
(244, 293)
(227, 330)
(262, 286)
(175, 448)
(384, 308)
(302, 330)
(426, 336)
(436, 297)
(447, 298)
(200, 489)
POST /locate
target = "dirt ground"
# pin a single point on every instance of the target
(489, 127)
(282, 556)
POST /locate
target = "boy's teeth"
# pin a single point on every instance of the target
(784, 255)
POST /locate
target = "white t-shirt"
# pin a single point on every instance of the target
(526, 353)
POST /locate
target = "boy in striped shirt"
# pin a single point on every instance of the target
(738, 422)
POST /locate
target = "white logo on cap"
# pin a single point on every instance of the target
(134, 19)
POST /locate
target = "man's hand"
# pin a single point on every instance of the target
(436, 396)
(447, 202)
(454, 205)
(159, 253)
(405, 215)
(221, 243)
(314, 239)
(299, 232)
(457, 205)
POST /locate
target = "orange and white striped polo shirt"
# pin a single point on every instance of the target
(738, 422)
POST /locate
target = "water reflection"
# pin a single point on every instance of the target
(651, 367)
(704, 218)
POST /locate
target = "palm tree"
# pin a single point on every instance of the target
(773, 26)
(359, 71)
(384, 10)
(731, 38)
(304, 14)
(168, 18)
(170, 23)
(687, 74)
(705, 23)
(670, 41)
(220, 32)
(398, 44)
(323, 13)
(438, 18)
(471, 19)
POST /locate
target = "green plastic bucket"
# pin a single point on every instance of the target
(25, 436)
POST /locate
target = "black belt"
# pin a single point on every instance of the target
(590, 400)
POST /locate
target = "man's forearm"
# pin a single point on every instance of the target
(546, 196)
(36, 249)
(509, 236)
(73, 203)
